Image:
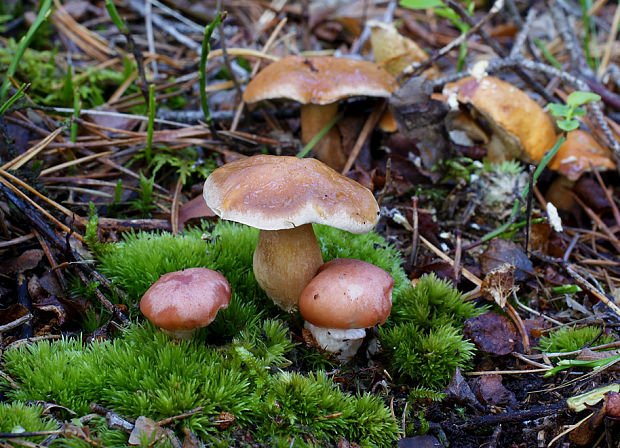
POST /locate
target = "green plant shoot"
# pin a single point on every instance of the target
(44, 13)
(202, 76)
(572, 109)
(116, 18)
(15, 97)
(151, 122)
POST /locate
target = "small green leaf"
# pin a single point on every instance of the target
(558, 110)
(579, 112)
(578, 98)
(421, 4)
(568, 125)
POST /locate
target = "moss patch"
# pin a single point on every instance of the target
(143, 372)
(239, 363)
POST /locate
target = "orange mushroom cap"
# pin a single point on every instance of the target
(319, 80)
(577, 152)
(518, 121)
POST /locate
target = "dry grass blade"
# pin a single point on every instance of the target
(62, 166)
(23, 158)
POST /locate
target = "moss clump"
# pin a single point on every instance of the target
(143, 372)
(570, 339)
(423, 337)
(17, 417)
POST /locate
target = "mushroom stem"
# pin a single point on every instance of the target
(185, 335)
(284, 263)
(329, 149)
(343, 342)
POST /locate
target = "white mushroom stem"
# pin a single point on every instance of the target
(185, 335)
(314, 118)
(344, 343)
(284, 263)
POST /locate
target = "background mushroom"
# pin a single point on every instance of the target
(577, 155)
(318, 83)
(181, 302)
(519, 127)
(283, 196)
(346, 297)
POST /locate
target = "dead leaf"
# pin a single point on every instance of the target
(52, 305)
(28, 260)
(13, 313)
(491, 392)
(502, 251)
(144, 429)
(196, 208)
(422, 118)
(499, 284)
(491, 333)
(459, 392)
(191, 439)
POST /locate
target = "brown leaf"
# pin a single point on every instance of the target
(144, 429)
(492, 333)
(28, 260)
(191, 439)
(13, 313)
(458, 391)
(50, 283)
(502, 251)
(612, 404)
(196, 208)
(490, 391)
(113, 121)
(52, 305)
(499, 284)
(343, 443)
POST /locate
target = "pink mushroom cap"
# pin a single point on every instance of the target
(347, 294)
(187, 299)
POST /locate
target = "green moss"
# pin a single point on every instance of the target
(570, 339)
(432, 303)
(143, 372)
(423, 337)
(429, 357)
(17, 417)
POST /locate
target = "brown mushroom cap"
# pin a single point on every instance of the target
(519, 122)
(282, 192)
(577, 152)
(347, 294)
(319, 80)
(186, 299)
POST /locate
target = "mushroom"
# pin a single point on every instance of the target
(571, 161)
(519, 127)
(346, 297)
(318, 83)
(181, 302)
(282, 196)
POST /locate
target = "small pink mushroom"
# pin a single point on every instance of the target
(183, 301)
(346, 297)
